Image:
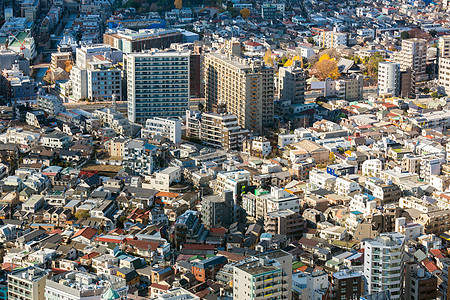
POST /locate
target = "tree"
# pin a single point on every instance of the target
(290, 61)
(434, 95)
(82, 214)
(404, 35)
(372, 65)
(325, 68)
(433, 33)
(178, 4)
(68, 66)
(268, 58)
(310, 40)
(245, 13)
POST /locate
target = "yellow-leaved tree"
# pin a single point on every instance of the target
(268, 58)
(290, 61)
(178, 4)
(245, 13)
(326, 67)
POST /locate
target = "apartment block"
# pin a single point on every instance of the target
(169, 128)
(263, 276)
(292, 84)
(413, 55)
(350, 89)
(286, 222)
(50, 104)
(100, 81)
(419, 283)
(389, 78)
(27, 284)
(157, 84)
(384, 264)
(346, 284)
(332, 39)
(244, 86)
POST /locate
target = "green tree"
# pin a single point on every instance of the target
(310, 40)
(404, 35)
(82, 214)
(434, 95)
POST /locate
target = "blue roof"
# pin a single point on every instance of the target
(266, 235)
(355, 212)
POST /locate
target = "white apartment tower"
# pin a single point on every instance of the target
(444, 63)
(157, 84)
(389, 78)
(384, 263)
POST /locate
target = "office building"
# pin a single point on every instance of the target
(128, 40)
(163, 92)
(268, 275)
(389, 78)
(27, 284)
(292, 83)
(384, 264)
(88, 53)
(413, 56)
(346, 284)
(169, 128)
(244, 86)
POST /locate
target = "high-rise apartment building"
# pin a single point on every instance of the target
(157, 84)
(244, 85)
(292, 83)
(27, 284)
(413, 56)
(266, 276)
(389, 78)
(384, 263)
(444, 63)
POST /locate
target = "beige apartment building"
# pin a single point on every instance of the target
(245, 86)
(413, 56)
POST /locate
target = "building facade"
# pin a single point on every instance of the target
(244, 86)
(157, 84)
